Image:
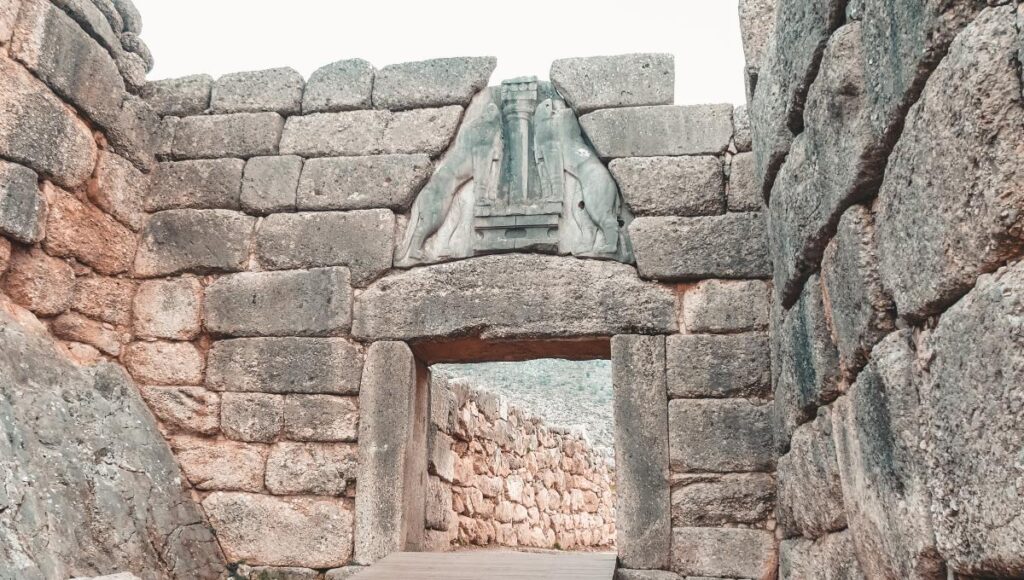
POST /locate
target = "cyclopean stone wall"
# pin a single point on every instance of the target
(887, 145)
(500, 476)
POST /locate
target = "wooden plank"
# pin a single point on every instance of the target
(492, 565)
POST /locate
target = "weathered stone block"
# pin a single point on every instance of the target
(299, 303)
(974, 428)
(269, 184)
(39, 131)
(427, 131)
(879, 437)
(321, 418)
(351, 133)
(757, 24)
(742, 139)
(80, 231)
(727, 246)
(184, 409)
(442, 458)
(680, 186)
(22, 207)
(119, 189)
(724, 306)
(624, 574)
(179, 97)
(438, 504)
(278, 90)
(171, 309)
(724, 552)
(102, 336)
(362, 240)
(132, 135)
(340, 86)
(164, 363)
(810, 494)
(742, 192)
(343, 573)
(293, 531)
(626, 80)
(663, 130)
(282, 573)
(240, 135)
(702, 366)
(387, 401)
(830, 558)
(38, 282)
(130, 16)
(190, 240)
(510, 296)
(311, 468)
(252, 417)
(200, 184)
(344, 183)
(285, 365)
(8, 18)
(431, 83)
(102, 298)
(211, 464)
(721, 436)
(640, 406)
(722, 500)
(949, 208)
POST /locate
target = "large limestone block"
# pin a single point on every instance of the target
(643, 512)
(39, 131)
(191, 410)
(681, 186)
(514, 296)
(350, 133)
(120, 189)
(380, 181)
(679, 249)
(728, 553)
(340, 86)
(431, 83)
(138, 515)
(810, 494)
(164, 363)
(709, 500)
(625, 80)
(707, 366)
(192, 240)
(720, 435)
(950, 206)
(241, 135)
(757, 24)
(171, 309)
(285, 365)
(362, 240)
(179, 97)
(105, 299)
(321, 418)
(278, 90)
(311, 468)
(660, 130)
(830, 558)
(199, 184)
(879, 435)
(83, 232)
(22, 207)
(971, 397)
(269, 184)
(296, 303)
(726, 306)
(39, 282)
(252, 417)
(282, 531)
(743, 193)
(211, 464)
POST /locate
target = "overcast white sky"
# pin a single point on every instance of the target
(222, 36)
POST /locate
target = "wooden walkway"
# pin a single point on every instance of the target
(492, 565)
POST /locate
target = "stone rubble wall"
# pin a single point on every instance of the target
(887, 146)
(500, 476)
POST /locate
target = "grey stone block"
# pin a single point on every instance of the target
(742, 140)
(22, 207)
(725, 306)
(879, 436)
(680, 249)
(92, 21)
(640, 404)
(285, 365)
(626, 80)
(169, 308)
(512, 296)
(133, 134)
(340, 86)
(269, 184)
(710, 500)
(344, 183)
(810, 494)
(252, 417)
(130, 16)
(362, 240)
(431, 83)
(427, 131)
(679, 186)
(386, 403)
(706, 366)
(179, 97)
(624, 574)
(184, 409)
(660, 130)
(120, 190)
(731, 553)
(757, 24)
(8, 18)
(199, 184)
(831, 557)
(975, 429)
(192, 240)
(944, 216)
(321, 418)
(371, 132)
(720, 435)
(39, 131)
(322, 469)
(299, 303)
(343, 573)
(742, 192)
(282, 573)
(241, 135)
(277, 90)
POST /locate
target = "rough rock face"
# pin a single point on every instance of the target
(830, 558)
(114, 483)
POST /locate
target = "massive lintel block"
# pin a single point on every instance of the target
(678, 249)
(660, 130)
(626, 80)
(514, 296)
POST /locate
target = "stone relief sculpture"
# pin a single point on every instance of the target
(519, 177)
